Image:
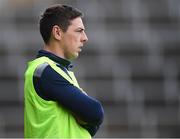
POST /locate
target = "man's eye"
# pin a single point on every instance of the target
(80, 30)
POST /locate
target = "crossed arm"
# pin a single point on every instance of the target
(87, 110)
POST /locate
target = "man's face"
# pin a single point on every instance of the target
(73, 39)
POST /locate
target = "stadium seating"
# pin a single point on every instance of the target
(131, 63)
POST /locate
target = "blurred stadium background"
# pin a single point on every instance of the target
(131, 63)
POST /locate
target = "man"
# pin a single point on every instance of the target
(55, 105)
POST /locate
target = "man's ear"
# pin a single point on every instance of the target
(57, 32)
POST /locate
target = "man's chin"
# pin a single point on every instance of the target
(72, 57)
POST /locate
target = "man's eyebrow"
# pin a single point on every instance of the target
(80, 28)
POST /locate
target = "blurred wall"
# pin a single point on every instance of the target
(131, 63)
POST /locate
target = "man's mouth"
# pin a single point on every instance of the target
(80, 48)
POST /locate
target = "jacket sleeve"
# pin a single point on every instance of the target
(51, 86)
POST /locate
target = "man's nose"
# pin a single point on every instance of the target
(85, 38)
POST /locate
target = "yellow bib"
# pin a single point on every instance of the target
(48, 119)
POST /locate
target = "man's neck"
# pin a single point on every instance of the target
(54, 48)
(55, 58)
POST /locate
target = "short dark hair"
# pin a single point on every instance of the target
(60, 15)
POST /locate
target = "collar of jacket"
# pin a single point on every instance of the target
(63, 62)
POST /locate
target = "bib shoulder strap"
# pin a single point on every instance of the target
(60, 71)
